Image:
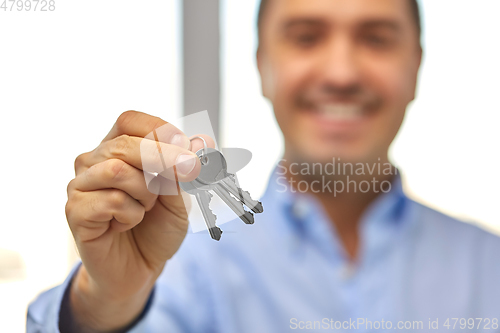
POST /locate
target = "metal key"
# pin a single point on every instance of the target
(234, 204)
(203, 198)
(215, 172)
(229, 184)
(213, 175)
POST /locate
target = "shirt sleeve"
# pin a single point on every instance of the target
(180, 301)
(43, 313)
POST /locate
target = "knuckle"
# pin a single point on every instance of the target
(117, 198)
(120, 145)
(79, 161)
(73, 192)
(70, 187)
(72, 205)
(125, 118)
(115, 169)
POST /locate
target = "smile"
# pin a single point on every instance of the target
(340, 111)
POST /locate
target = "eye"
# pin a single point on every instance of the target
(377, 41)
(306, 39)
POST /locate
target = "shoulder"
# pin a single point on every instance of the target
(455, 233)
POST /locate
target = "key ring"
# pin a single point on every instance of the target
(204, 156)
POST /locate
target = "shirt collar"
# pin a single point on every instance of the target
(387, 208)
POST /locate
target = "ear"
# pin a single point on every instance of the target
(262, 67)
(417, 62)
(420, 54)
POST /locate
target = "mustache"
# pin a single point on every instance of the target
(354, 94)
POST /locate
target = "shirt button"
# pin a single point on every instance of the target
(300, 209)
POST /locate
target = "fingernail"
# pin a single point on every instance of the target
(180, 140)
(185, 164)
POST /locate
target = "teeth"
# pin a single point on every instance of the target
(340, 111)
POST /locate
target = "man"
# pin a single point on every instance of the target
(344, 256)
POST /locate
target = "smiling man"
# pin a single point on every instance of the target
(339, 75)
(352, 254)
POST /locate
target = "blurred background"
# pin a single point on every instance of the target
(67, 74)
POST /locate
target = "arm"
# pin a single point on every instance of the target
(124, 232)
(181, 301)
(68, 323)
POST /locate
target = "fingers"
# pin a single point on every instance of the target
(117, 174)
(143, 154)
(91, 214)
(152, 145)
(134, 123)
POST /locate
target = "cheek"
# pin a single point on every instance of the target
(285, 79)
(395, 84)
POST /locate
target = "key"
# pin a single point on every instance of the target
(229, 183)
(214, 177)
(203, 198)
(215, 171)
(234, 204)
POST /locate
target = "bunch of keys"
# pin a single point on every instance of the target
(215, 177)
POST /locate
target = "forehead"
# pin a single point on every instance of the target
(340, 11)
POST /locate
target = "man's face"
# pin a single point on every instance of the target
(340, 74)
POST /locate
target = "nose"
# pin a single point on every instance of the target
(338, 66)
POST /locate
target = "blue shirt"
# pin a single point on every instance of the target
(418, 270)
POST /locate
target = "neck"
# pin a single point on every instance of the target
(345, 193)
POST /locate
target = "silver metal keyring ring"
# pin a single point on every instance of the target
(204, 156)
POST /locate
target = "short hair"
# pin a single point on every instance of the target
(415, 13)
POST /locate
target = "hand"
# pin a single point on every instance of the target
(124, 232)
